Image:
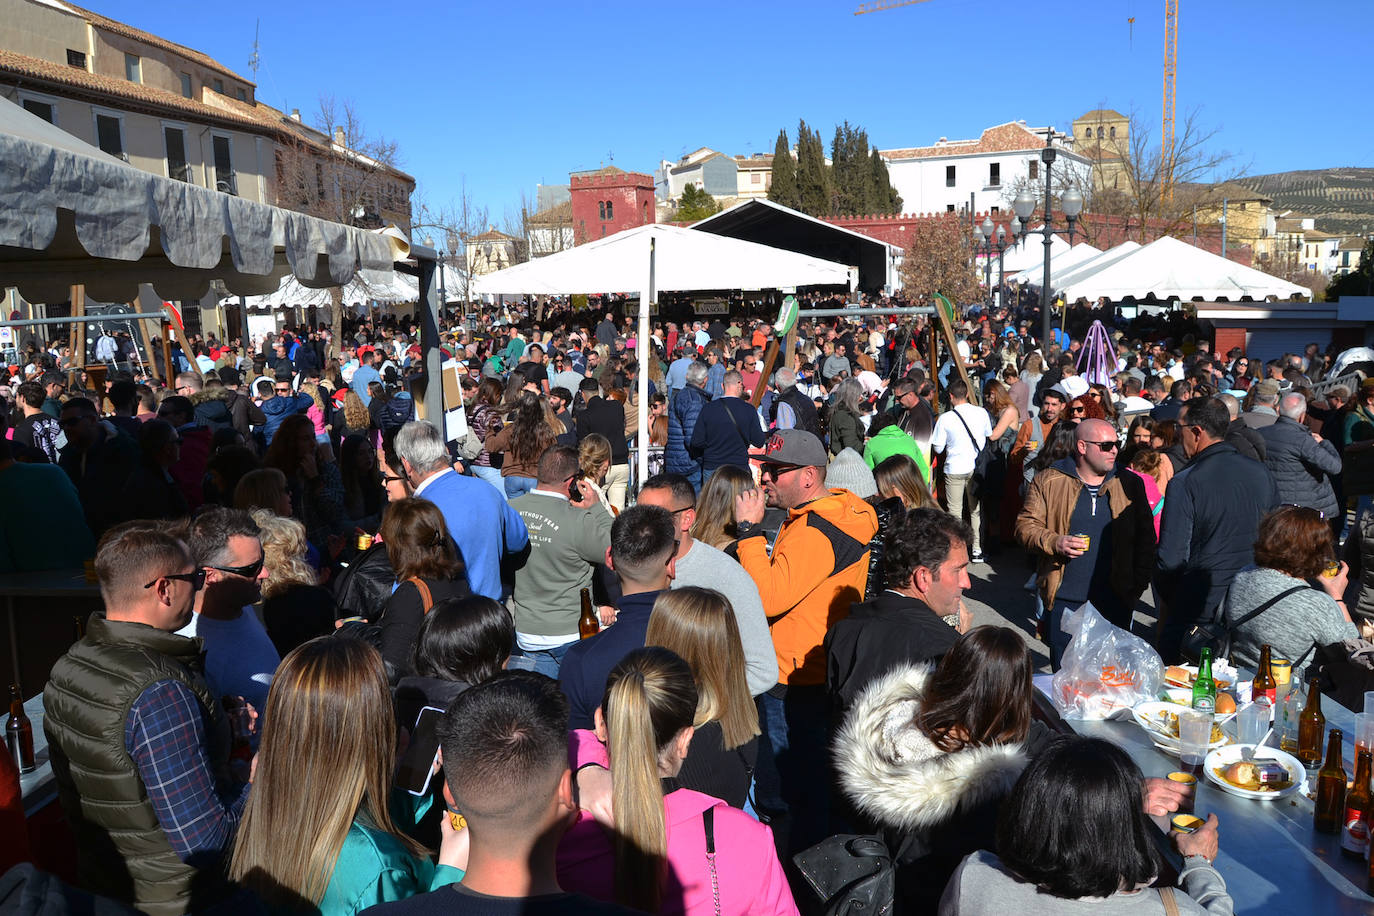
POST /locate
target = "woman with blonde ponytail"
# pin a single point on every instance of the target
(670, 850)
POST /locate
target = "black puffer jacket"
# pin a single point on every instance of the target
(1301, 466)
(891, 514)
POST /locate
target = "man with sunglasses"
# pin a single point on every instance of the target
(1092, 532)
(139, 740)
(239, 657)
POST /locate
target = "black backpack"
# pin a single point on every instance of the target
(361, 588)
(395, 413)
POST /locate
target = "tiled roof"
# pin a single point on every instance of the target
(1351, 243)
(1004, 138)
(136, 93)
(128, 31)
(493, 235)
(553, 216)
(1101, 114)
(749, 162)
(604, 170)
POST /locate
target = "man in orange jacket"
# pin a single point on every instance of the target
(818, 568)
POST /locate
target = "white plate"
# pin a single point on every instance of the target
(1225, 677)
(1225, 756)
(1144, 715)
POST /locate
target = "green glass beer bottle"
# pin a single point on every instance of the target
(1204, 687)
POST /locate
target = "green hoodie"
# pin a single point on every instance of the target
(891, 440)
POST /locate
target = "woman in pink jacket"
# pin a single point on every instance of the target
(672, 851)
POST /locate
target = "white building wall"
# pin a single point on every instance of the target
(925, 187)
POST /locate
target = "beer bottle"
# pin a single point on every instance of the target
(1204, 687)
(587, 624)
(1355, 828)
(1330, 788)
(1311, 726)
(1265, 687)
(19, 733)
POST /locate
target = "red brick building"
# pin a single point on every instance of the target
(609, 200)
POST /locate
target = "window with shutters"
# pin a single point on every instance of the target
(109, 134)
(224, 169)
(175, 140)
(133, 68)
(45, 110)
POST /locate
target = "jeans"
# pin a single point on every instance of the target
(795, 725)
(490, 475)
(542, 661)
(958, 490)
(518, 486)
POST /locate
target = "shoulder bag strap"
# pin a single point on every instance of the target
(735, 423)
(1263, 607)
(977, 449)
(426, 598)
(708, 818)
(1166, 896)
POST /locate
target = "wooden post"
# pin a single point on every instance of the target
(186, 349)
(77, 338)
(167, 373)
(151, 365)
(770, 356)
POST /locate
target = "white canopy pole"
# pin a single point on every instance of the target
(646, 296)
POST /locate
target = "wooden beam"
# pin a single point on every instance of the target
(77, 338)
(770, 356)
(186, 349)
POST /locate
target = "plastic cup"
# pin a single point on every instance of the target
(1331, 569)
(1194, 734)
(1364, 731)
(1251, 723)
(1368, 701)
(1186, 823)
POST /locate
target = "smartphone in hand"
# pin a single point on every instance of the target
(417, 765)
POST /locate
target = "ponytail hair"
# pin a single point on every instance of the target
(650, 698)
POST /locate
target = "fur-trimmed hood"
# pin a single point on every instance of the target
(897, 776)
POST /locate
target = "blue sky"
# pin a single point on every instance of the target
(497, 97)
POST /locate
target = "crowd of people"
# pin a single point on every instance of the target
(650, 695)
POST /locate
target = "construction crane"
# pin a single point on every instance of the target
(884, 5)
(1170, 76)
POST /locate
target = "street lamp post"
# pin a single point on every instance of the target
(1071, 202)
(983, 235)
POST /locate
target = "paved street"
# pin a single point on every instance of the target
(1000, 595)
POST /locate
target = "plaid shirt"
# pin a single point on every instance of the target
(165, 736)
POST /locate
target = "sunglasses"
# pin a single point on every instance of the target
(195, 577)
(777, 470)
(282, 390)
(248, 572)
(1078, 408)
(1111, 446)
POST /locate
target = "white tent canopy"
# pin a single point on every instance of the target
(71, 214)
(1171, 268)
(1030, 253)
(383, 286)
(686, 259)
(1060, 264)
(1095, 263)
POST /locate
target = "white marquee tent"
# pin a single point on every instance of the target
(686, 259)
(384, 286)
(1168, 268)
(1030, 253)
(1096, 262)
(1060, 264)
(71, 214)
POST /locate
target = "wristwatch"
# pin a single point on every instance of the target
(747, 530)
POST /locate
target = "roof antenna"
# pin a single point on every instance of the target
(253, 61)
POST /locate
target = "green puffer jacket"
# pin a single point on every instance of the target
(122, 850)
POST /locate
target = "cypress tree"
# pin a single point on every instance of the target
(812, 178)
(783, 189)
(884, 197)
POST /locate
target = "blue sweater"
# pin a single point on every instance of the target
(482, 523)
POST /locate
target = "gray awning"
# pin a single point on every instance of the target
(72, 214)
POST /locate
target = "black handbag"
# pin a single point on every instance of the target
(1215, 634)
(851, 875)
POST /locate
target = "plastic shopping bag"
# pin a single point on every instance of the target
(1105, 669)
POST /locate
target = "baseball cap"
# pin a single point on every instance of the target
(795, 447)
(1269, 388)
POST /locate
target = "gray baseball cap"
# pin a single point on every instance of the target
(796, 447)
